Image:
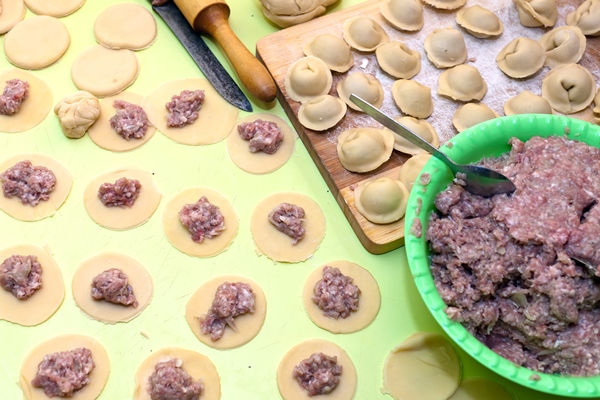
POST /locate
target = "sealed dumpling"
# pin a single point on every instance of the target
(365, 86)
(479, 22)
(364, 34)
(564, 45)
(527, 103)
(410, 170)
(446, 47)
(412, 98)
(322, 112)
(307, 78)
(381, 200)
(534, 13)
(422, 128)
(364, 149)
(522, 57)
(471, 114)
(569, 88)
(398, 60)
(285, 13)
(596, 108)
(586, 17)
(333, 50)
(463, 82)
(406, 15)
(446, 4)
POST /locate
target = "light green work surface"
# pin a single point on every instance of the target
(249, 371)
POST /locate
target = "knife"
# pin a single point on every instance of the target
(208, 63)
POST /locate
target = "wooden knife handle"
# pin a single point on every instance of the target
(210, 16)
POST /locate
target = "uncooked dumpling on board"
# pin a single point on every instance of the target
(364, 149)
(463, 82)
(322, 112)
(596, 108)
(471, 114)
(564, 45)
(479, 21)
(586, 17)
(534, 13)
(569, 88)
(364, 34)
(445, 4)
(406, 15)
(522, 57)
(412, 98)
(365, 86)
(527, 103)
(381, 200)
(446, 47)
(286, 13)
(422, 128)
(333, 50)
(398, 60)
(307, 78)
(412, 168)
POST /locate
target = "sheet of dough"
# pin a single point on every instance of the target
(125, 26)
(54, 8)
(13, 12)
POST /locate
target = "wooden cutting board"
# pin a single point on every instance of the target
(281, 49)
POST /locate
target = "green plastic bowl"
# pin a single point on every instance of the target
(486, 139)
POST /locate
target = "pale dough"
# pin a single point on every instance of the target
(198, 366)
(248, 325)
(277, 245)
(119, 218)
(480, 388)
(421, 359)
(104, 311)
(125, 26)
(24, 212)
(13, 12)
(368, 303)
(412, 168)
(34, 109)
(45, 301)
(105, 136)
(290, 389)
(181, 238)
(260, 162)
(215, 118)
(98, 376)
(36, 42)
(104, 72)
(54, 8)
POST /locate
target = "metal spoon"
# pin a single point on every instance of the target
(479, 180)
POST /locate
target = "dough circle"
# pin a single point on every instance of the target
(277, 245)
(34, 109)
(45, 301)
(105, 136)
(104, 72)
(248, 325)
(104, 311)
(198, 366)
(36, 42)
(260, 162)
(98, 376)
(125, 26)
(215, 118)
(181, 238)
(54, 8)
(13, 12)
(480, 388)
(368, 304)
(289, 387)
(118, 218)
(24, 212)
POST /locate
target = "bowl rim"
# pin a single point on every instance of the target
(489, 138)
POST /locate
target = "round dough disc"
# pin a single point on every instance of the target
(98, 376)
(181, 238)
(215, 118)
(104, 311)
(368, 303)
(289, 387)
(198, 366)
(45, 301)
(13, 12)
(106, 137)
(24, 212)
(36, 42)
(54, 8)
(260, 162)
(122, 218)
(277, 245)
(248, 324)
(34, 109)
(125, 26)
(104, 72)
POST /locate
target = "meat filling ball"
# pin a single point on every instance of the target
(123, 193)
(15, 93)
(335, 294)
(31, 184)
(130, 120)
(64, 373)
(203, 219)
(287, 218)
(21, 275)
(170, 381)
(265, 136)
(183, 108)
(113, 286)
(318, 374)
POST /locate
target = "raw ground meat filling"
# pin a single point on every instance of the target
(231, 300)
(261, 135)
(21, 275)
(503, 266)
(112, 285)
(31, 184)
(287, 218)
(130, 120)
(15, 93)
(335, 294)
(64, 373)
(318, 374)
(203, 219)
(122, 193)
(183, 108)
(170, 382)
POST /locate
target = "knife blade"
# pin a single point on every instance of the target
(206, 60)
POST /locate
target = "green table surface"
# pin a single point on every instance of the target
(247, 372)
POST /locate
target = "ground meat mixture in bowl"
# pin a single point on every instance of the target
(498, 273)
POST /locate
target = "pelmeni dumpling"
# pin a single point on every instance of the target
(406, 15)
(365, 86)
(596, 108)
(364, 149)
(463, 82)
(422, 128)
(445, 47)
(398, 60)
(381, 200)
(479, 22)
(412, 98)
(446, 4)
(333, 50)
(586, 17)
(527, 103)
(522, 57)
(307, 78)
(364, 34)
(410, 170)
(564, 45)
(322, 112)
(569, 88)
(471, 114)
(534, 13)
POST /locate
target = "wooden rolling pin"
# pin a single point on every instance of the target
(210, 16)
